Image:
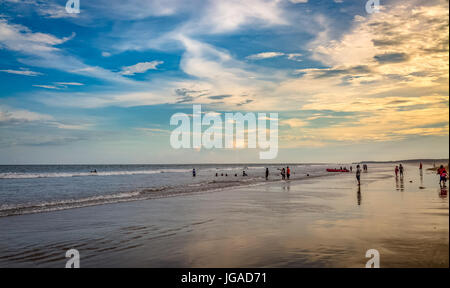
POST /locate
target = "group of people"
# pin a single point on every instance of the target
(285, 173)
(244, 174)
(399, 169)
(441, 171)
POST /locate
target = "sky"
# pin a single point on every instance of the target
(100, 86)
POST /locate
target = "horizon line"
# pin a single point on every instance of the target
(238, 163)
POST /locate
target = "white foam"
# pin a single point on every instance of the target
(86, 174)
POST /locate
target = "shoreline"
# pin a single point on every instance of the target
(142, 194)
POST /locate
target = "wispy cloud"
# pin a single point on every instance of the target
(42, 50)
(9, 115)
(268, 55)
(140, 67)
(22, 71)
(295, 56)
(58, 85)
(265, 55)
(69, 83)
(47, 86)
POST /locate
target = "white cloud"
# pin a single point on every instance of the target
(46, 86)
(12, 116)
(140, 67)
(294, 56)
(69, 83)
(134, 9)
(58, 85)
(71, 126)
(299, 1)
(9, 115)
(41, 51)
(230, 15)
(265, 55)
(21, 39)
(22, 71)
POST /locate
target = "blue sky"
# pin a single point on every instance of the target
(100, 86)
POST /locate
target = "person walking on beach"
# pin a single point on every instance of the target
(396, 171)
(283, 174)
(401, 170)
(288, 172)
(351, 168)
(420, 166)
(358, 174)
(267, 173)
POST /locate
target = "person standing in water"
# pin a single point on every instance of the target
(194, 173)
(358, 174)
(283, 174)
(267, 173)
(400, 168)
(420, 166)
(288, 172)
(396, 171)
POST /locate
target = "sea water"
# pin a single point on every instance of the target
(36, 188)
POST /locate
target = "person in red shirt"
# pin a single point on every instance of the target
(443, 175)
(288, 172)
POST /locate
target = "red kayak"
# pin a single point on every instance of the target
(337, 170)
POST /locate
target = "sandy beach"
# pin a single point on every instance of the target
(319, 222)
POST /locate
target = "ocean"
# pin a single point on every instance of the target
(28, 189)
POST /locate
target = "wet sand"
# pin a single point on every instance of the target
(320, 222)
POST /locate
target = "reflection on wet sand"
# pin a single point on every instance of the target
(287, 186)
(359, 195)
(443, 193)
(399, 184)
